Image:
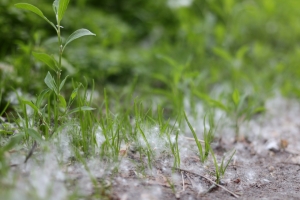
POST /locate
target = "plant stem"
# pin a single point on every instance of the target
(58, 72)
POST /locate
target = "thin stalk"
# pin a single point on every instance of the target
(201, 154)
(177, 155)
(148, 150)
(58, 72)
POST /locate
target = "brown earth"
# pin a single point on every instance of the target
(274, 175)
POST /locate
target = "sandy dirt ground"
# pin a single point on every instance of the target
(265, 165)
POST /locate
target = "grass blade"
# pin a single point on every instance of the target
(83, 108)
(196, 138)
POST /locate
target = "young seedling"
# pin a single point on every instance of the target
(4, 162)
(239, 108)
(208, 137)
(242, 108)
(58, 109)
(236, 104)
(110, 149)
(174, 145)
(221, 169)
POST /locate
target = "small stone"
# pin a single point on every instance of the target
(273, 146)
(271, 169)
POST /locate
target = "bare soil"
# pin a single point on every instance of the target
(272, 175)
(266, 164)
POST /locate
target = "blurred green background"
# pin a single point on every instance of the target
(168, 48)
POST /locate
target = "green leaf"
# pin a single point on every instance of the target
(236, 97)
(242, 51)
(259, 110)
(45, 58)
(34, 9)
(74, 93)
(218, 104)
(168, 60)
(161, 78)
(41, 96)
(222, 54)
(62, 7)
(4, 108)
(62, 101)
(201, 155)
(62, 83)
(49, 80)
(14, 140)
(34, 134)
(228, 161)
(83, 108)
(210, 101)
(77, 34)
(34, 107)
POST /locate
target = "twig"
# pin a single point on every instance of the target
(183, 183)
(292, 151)
(30, 152)
(183, 187)
(192, 182)
(232, 193)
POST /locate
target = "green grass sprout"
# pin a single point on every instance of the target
(221, 169)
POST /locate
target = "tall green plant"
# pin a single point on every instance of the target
(60, 107)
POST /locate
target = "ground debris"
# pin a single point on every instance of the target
(232, 193)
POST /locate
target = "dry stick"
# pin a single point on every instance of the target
(295, 152)
(30, 152)
(192, 182)
(232, 193)
(183, 183)
(183, 187)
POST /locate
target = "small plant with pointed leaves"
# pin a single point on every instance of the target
(57, 108)
(208, 137)
(221, 169)
(239, 107)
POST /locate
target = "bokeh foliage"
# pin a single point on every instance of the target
(250, 45)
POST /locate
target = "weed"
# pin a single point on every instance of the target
(239, 107)
(50, 116)
(243, 108)
(166, 130)
(4, 164)
(2, 111)
(221, 169)
(208, 137)
(174, 145)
